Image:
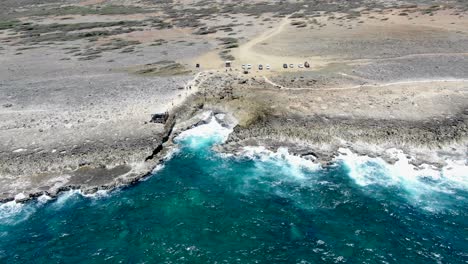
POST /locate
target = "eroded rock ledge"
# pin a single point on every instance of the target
(274, 118)
(367, 120)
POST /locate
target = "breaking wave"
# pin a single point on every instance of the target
(425, 185)
(13, 212)
(205, 135)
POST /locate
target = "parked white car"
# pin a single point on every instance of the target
(249, 66)
(300, 65)
(291, 65)
(243, 66)
(267, 66)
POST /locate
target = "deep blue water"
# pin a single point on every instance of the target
(202, 207)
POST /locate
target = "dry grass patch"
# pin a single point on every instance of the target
(161, 68)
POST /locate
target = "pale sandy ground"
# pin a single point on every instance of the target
(255, 52)
(372, 40)
(246, 35)
(417, 100)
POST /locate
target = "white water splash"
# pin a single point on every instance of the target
(96, 195)
(277, 172)
(67, 196)
(202, 135)
(43, 199)
(12, 213)
(288, 163)
(421, 183)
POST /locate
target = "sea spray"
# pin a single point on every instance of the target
(291, 164)
(425, 185)
(14, 212)
(205, 135)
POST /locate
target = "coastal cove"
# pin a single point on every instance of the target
(252, 207)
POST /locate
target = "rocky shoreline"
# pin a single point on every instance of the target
(83, 80)
(428, 140)
(116, 173)
(330, 134)
(317, 137)
(90, 178)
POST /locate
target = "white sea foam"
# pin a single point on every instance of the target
(419, 182)
(288, 163)
(457, 171)
(64, 197)
(263, 154)
(13, 212)
(206, 133)
(43, 199)
(278, 172)
(96, 195)
(9, 209)
(20, 196)
(156, 169)
(73, 196)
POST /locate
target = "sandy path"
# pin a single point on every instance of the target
(409, 56)
(460, 81)
(191, 87)
(248, 52)
(246, 49)
(251, 52)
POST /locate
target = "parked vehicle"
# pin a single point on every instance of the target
(291, 65)
(285, 65)
(300, 65)
(243, 66)
(268, 66)
(306, 64)
(260, 67)
(249, 66)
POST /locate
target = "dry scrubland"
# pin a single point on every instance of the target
(79, 81)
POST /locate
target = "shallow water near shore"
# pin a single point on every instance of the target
(258, 207)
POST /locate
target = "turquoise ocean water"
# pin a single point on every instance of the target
(205, 207)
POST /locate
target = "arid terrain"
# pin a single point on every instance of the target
(81, 80)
